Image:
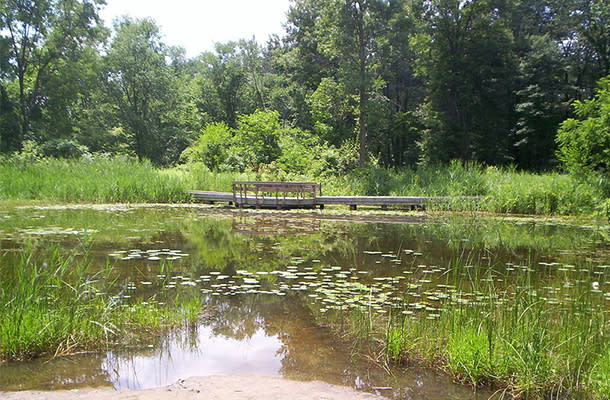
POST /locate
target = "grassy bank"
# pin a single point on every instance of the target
(57, 306)
(103, 180)
(545, 343)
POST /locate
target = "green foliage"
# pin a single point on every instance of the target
(333, 111)
(407, 82)
(468, 355)
(516, 340)
(584, 145)
(394, 343)
(540, 105)
(256, 140)
(63, 148)
(221, 83)
(553, 193)
(27, 176)
(305, 154)
(212, 146)
(600, 376)
(153, 103)
(38, 38)
(97, 179)
(371, 181)
(259, 144)
(56, 306)
(46, 306)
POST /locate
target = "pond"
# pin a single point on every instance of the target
(273, 284)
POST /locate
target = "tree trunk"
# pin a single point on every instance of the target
(362, 159)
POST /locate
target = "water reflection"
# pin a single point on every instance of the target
(264, 338)
(277, 270)
(270, 224)
(208, 355)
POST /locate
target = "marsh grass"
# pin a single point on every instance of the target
(53, 304)
(530, 337)
(97, 180)
(102, 180)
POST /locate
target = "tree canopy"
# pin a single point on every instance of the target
(403, 82)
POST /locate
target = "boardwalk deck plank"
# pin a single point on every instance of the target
(271, 202)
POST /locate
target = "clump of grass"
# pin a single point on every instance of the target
(99, 180)
(46, 306)
(501, 190)
(53, 304)
(600, 375)
(514, 339)
(520, 192)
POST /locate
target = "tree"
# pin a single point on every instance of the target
(540, 104)
(149, 95)
(465, 54)
(256, 140)
(584, 145)
(212, 146)
(354, 38)
(222, 78)
(333, 111)
(36, 35)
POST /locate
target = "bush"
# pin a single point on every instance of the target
(255, 141)
(305, 154)
(63, 148)
(212, 146)
(584, 145)
(261, 145)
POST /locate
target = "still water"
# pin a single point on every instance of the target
(270, 279)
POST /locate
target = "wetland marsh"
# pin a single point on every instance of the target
(406, 302)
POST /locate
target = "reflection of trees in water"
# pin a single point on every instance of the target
(220, 247)
(275, 224)
(237, 317)
(440, 240)
(60, 373)
(308, 351)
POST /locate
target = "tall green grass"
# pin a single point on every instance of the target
(88, 180)
(53, 304)
(500, 190)
(528, 338)
(120, 179)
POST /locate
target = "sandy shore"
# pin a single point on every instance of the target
(212, 387)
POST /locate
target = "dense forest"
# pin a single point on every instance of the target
(350, 82)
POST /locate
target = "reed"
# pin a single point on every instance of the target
(97, 180)
(102, 179)
(54, 304)
(530, 337)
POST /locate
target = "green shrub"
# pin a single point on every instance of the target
(584, 145)
(212, 146)
(63, 148)
(255, 141)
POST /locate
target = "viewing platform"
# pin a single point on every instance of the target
(286, 195)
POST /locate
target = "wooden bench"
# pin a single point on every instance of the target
(269, 194)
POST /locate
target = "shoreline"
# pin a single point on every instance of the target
(244, 387)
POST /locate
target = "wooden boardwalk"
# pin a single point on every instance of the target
(413, 202)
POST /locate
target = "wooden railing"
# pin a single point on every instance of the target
(275, 194)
